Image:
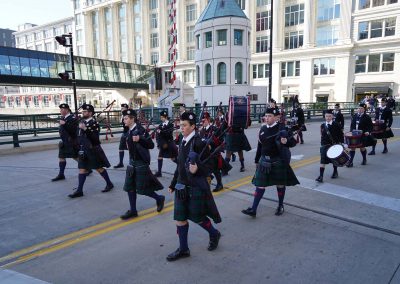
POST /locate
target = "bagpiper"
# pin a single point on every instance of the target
(91, 155)
(331, 134)
(384, 116)
(139, 178)
(297, 115)
(361, 121)
(273, 166)
(338, 116)
(193, 198)
(122, 142)
(165, 141)
(68, 146)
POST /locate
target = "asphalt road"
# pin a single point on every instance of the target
(345, 230)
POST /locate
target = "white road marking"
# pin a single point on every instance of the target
(9, 276)
(297, 157)
(352, 194)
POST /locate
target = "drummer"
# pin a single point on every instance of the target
(297, 115)
(331, 133)
(361, 121)
(384, 114)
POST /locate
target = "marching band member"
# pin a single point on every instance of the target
(91, 155)
(122, 142)
(165, 141)
(193, 198)
(297, 114)
(331, 133)
(68, 146)
(383, 113)
(273, 166)
(338, 116)
(361, 121)
(139, 178)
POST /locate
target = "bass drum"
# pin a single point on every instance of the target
(338, 155)
(239, 112)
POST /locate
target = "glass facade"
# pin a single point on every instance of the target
(21, 62)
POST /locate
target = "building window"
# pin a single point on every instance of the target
(238, 37)
(36, 101)
(48, 33)
(46, 101)
(77, 4)
(191, 12)
(221, 73)
(190, 34)
(290, 69)
(361, 63)
(377, 28)
(208, 39)
(390, 26)
(68, 99)
(154, 40)
(328, 10)
(197, 75)
(38, 36)
(261, 44)
(189, 76)
(190, 53)
(263, 21)
(154, 21)
(260, 71)
(197, 41)
(108, 33)
(153, 4)
(375, 63)
(261, 3)
(324, 66)
(362, 30)
(293, 40)
(327, 35)
(154, 58)
(222, 37)
(123, 41)
(364, 4)
(136, 7)
(239, 73)
(387, 62)
(207, 74)
(294, 15)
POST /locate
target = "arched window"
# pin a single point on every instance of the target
(221, 73)
(238, 73)
(207, 77)
(197, 75)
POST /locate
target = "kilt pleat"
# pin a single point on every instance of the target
(237, 142)
(95, 159)
(280, 174)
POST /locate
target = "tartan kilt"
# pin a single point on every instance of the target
(200, 203)
(171, 151)
(384, 134)
(143, 180)
(237, 142)
(122, 142)
(368, 141)
(323, 150)
(95, 159)
(67, 151)
(280, 174)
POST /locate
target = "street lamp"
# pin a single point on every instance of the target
(66, 41)
(270, 53)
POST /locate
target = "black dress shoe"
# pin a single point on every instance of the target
(371, 153)
(214, 240)
(249, 211)
(242, 169)
(119, 166)
(320, 179)
(302, 142)
(160, 204)
(129, 214)
(59, 177)
(350, 165)
(384, 151)
(279, 211)
(108, 188)
(219, 187)
(158, 174)
(364, 162)
(335, 175)
(178, 254)
(76, 194)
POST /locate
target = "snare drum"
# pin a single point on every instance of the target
(353, 139)
(338, 155)
(378, 126)
(239, 112)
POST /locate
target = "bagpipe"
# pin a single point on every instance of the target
(107, 125)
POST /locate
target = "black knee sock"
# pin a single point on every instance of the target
(217, 175)
(281, 194)
(321, 171)
(335, 169)
(206, 225)
(81, 182)
(62, 166)
(301, 136)
(258, 194)
(374, 145)
(364, 155)
(160, 163)
(154, 195)
(352, 154)
(384, 144)
(242, 163)
(132, 200)
(104, 174)
(183, 237)
(121, 157)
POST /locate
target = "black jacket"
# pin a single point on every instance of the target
(91, 136)
(165, 133)
(335, 135)
(339, 119)
(139, 150)
(364, 123)
(299, 113)
(384, 114)
(69, 131)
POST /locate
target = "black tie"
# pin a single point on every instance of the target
(183, 143)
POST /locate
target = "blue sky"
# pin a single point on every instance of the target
(15, 12)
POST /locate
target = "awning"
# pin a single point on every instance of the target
(372, 90)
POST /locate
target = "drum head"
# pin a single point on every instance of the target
(334, 151)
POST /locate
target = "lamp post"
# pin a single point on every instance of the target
(270, 53)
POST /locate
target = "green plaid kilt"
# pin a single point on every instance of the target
(280, 174)
(383, 135)
(143, 180)
(237, 142)
(170, 150)
(200, 203)
(95, 159)
(122, 142)
(67, 151)
(368, 141)
(323, 150)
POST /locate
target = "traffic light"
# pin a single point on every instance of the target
(64, 76)
(64, 40)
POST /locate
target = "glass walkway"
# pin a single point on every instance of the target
(38, 68)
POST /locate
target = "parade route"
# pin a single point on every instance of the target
(340, 231)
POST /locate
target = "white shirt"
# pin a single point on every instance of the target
(165, 122)
(328, 123)
(89, 119)
(133, 127)
(269, 126)
(189, 137)
(207, 127)
(65, 117)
